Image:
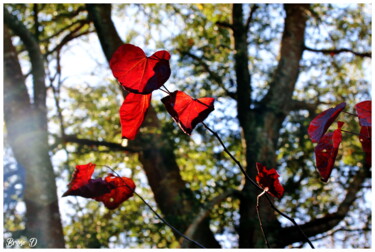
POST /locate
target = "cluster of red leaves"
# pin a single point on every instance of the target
(141, 75)
(328, 143)
(269, 180)
(112, 191)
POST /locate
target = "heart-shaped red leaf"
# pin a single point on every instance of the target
(122, 189)
(326, 152)
(365, 139)
(132, 114)
(186, 111)
(81, 176)
(269, 179)
(319, 125)
(137, 72)
(364, 113)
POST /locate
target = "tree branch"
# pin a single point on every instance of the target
(327, 222)
(302, 105)
(337, 51)
(214, 76)
(89, 142)
(203, 214)
(250, 18)
(36, 59)
(225, 25)
(72, 35)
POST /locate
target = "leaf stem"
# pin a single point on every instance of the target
(260, 220)
(350, 113)
(353, 133)
(257, 186)
(166, 89)
(150, 207)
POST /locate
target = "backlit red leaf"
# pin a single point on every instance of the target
(321, 122)
(122, 189)
(81, 176)
(137, 72)
(186, 111)
(326, 152)
(132, 114)
(269, 179)
(365, 139)
(364, 113)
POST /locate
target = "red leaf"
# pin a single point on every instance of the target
(269, 179)
(365, 139)
(138, 73)
(122, 189)
(81, 176)
(364, 113)
(132, 114)
(186, 111)
(94, 188)
(321, 122)
(326, 152)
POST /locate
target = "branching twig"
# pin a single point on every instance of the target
(150, 207)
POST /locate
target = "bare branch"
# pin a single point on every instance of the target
(337, 51)
(214, 76)
(224, 25)
(250, 18)
(89, 142)
(69, 37)
(80, 22)
(203, 214)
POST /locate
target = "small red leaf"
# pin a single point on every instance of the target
(132, 114)
(326, 152)
(364, 113)
(365, 139)
(122, 189)
(269, 179)
(321, 122)
(81, 176)
(186, 111)
(138, 73)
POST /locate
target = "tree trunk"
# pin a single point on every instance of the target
(28, 138)
(262, 123)
(175, 200)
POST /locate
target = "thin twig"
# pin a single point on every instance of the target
(353, 133)
(350, 113)
(260, 220)
(150, 207)
(257, 186)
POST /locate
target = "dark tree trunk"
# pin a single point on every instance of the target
(175, 200)
(28, 138)
(262, 123)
